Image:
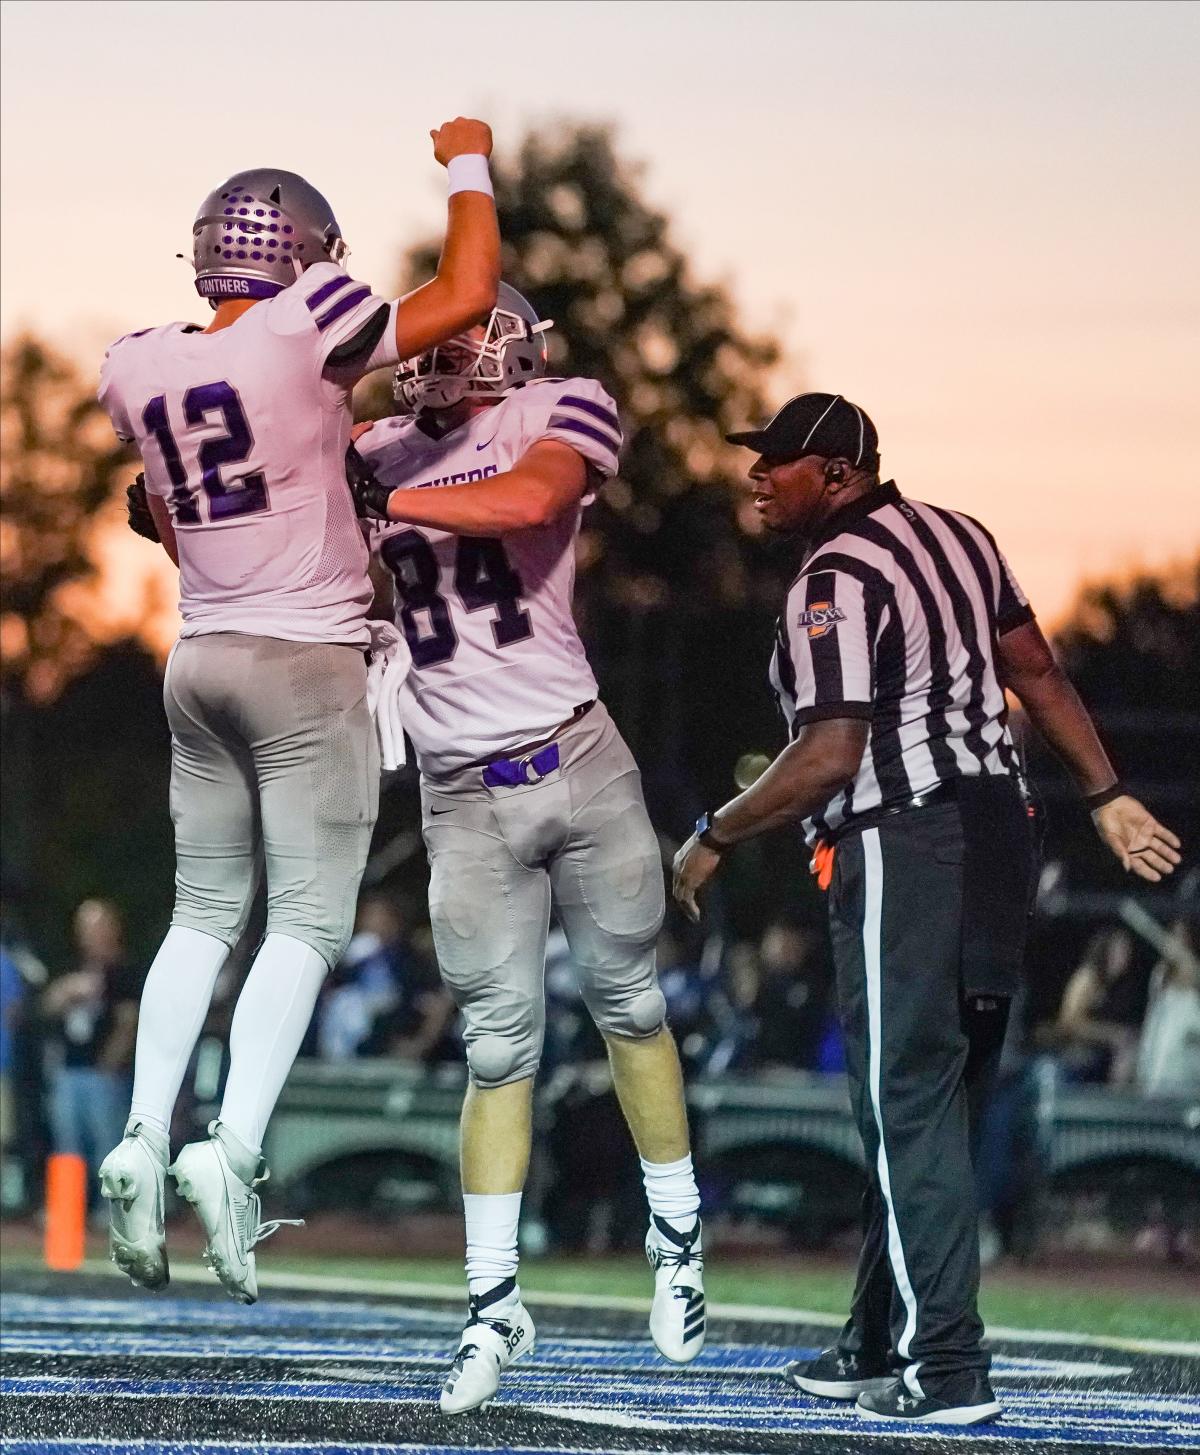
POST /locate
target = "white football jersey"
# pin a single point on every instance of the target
(497, 660)
(244, 432)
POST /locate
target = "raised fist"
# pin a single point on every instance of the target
(461, 136)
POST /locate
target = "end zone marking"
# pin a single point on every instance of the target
(625, 1303)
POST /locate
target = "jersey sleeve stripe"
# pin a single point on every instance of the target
(614, 436)
(343, 306)
(588, 406)
(326, 292)
(579, 427)
(559, 416)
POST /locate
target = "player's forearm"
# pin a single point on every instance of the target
(800, 782)
(464, 290)
(508, 502)
(1054, 708)
(469, 268)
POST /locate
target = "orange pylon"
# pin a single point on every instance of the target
(66, 1211)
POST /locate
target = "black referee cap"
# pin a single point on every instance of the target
(814, 424)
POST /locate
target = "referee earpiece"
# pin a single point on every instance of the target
(834, 474)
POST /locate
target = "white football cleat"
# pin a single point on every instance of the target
(131, 1178)
(677, 1316)
(487, 1347)
(218, 1178)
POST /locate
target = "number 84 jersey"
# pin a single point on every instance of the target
(497, 660)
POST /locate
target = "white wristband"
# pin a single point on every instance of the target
(469, 173)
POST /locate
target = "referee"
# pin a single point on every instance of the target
(897, 640)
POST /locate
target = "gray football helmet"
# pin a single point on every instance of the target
(256, 233)
(511, 351)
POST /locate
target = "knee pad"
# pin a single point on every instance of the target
(493, 1060)
(635, 1011)
(504, 1033)
(496, 1058)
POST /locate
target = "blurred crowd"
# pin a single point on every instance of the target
(1128, 1016)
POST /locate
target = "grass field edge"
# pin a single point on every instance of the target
(291, 1282)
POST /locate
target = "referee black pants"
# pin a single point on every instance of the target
(921, 1054)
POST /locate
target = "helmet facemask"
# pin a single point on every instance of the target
(510, 351)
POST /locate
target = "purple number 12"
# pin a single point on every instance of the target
(231, 448)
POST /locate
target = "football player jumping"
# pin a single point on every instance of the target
(531, 799)
(243, 428)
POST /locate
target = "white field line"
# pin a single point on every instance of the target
(165, 1443)
(622, 1303)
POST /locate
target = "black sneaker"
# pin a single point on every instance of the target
(834, 1374)
(965, 1400)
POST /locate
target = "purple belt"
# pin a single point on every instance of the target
(518, 772)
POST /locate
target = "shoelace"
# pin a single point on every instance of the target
(682, 1256)
(460, 1359)
(249, 1215)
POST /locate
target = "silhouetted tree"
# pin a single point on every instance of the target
(60, 464)
(1137, 646)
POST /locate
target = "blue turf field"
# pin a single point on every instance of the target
(91, 1365)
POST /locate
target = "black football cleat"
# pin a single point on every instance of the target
(834, 1374)
(962, 1400)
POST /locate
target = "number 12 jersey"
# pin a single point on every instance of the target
(243, 432)
(497, 660)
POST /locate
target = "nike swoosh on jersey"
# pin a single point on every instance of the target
(486, 443)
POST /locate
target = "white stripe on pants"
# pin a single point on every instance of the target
(872, 949)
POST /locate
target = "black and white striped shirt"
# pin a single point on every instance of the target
(894, 619)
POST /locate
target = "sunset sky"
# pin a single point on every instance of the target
(977, 220)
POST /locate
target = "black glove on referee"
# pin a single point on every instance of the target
(137, 509)
(370, 495)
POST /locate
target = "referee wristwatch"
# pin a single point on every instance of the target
(705, 834)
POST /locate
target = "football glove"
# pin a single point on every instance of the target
(137, 508)
(370, 494)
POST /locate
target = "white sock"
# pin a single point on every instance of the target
(672, 1193)
(492, 1220)
(175, 1001)
(269, 1022)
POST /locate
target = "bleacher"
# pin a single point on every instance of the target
(784, 1148)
